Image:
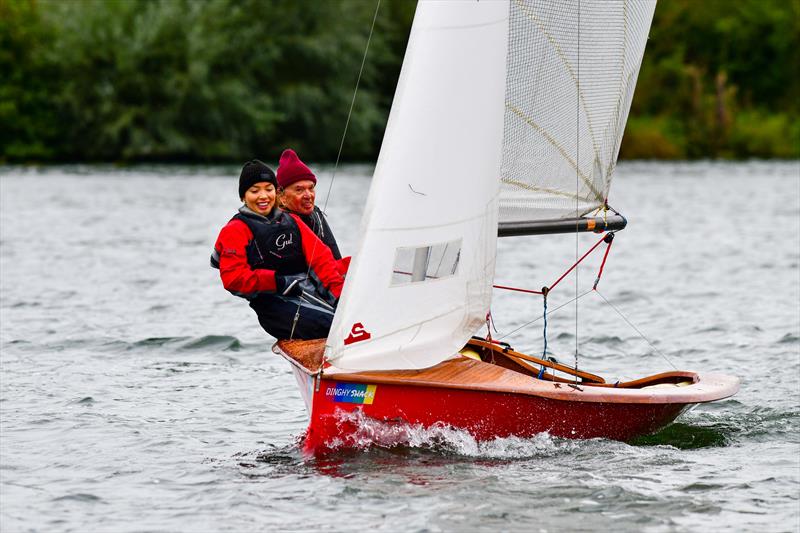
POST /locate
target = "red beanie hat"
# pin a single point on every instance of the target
(292, 170)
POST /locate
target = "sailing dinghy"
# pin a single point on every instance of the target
(507, 121)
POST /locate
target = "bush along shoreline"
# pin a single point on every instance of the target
(221, 80)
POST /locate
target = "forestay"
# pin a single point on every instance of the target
(572, 69)
(420, 283)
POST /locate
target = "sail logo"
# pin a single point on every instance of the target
(351, 393)
(357, 334)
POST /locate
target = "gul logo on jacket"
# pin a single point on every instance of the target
(282, 241)
(357, 334)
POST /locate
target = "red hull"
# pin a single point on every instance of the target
(498, 395)
(484, 415)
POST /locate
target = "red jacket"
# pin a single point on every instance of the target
(238, 277)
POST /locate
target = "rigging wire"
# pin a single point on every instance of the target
(341, 146)
(352, 104)
(608, 239)
(577, 175)
(635, 329)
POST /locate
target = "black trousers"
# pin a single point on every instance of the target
(276, 315)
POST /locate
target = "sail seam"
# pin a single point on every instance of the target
(555, 192)
(558, 147)
(465, 26)
(568, 66)
(440, 225)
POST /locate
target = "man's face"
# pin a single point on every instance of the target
(299, 197)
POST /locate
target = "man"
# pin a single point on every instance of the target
(296, 193)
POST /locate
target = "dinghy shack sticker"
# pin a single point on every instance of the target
(351, 393)
(357, 334)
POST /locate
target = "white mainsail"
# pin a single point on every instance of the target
(572, 69)
(420, 283)
(533, 94)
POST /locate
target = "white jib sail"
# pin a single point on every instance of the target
(420, 283)
(572, 69)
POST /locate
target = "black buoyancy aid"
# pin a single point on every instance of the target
(276, 243)
(319, 225)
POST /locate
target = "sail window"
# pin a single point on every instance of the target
(426, 263)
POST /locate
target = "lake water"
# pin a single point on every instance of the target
(137, 395)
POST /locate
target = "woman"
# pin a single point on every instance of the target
(263, 254)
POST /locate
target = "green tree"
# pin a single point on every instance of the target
(28, 81)
(719, 79)
(188, 80)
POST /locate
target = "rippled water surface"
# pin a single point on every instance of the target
(137, 395)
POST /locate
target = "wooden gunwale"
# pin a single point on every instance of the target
(493, 347)
(518, 365)
(589, 380)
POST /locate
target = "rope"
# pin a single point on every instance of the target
(341, 147)
(577, 261)
(544, 335)
(516, 289)
(607, 238)
(636, 329)
(503, 336)
(489, 326)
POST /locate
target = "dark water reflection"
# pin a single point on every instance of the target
(137, 395)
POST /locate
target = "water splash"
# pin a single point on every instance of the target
(442, 438)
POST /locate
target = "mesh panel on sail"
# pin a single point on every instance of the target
(567, 101)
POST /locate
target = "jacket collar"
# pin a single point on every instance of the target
(270, 217)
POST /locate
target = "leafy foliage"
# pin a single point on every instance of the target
(719, 79)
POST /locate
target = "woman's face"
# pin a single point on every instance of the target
(260, 197)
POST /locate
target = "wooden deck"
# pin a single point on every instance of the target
(501, 372)
(307, 353)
